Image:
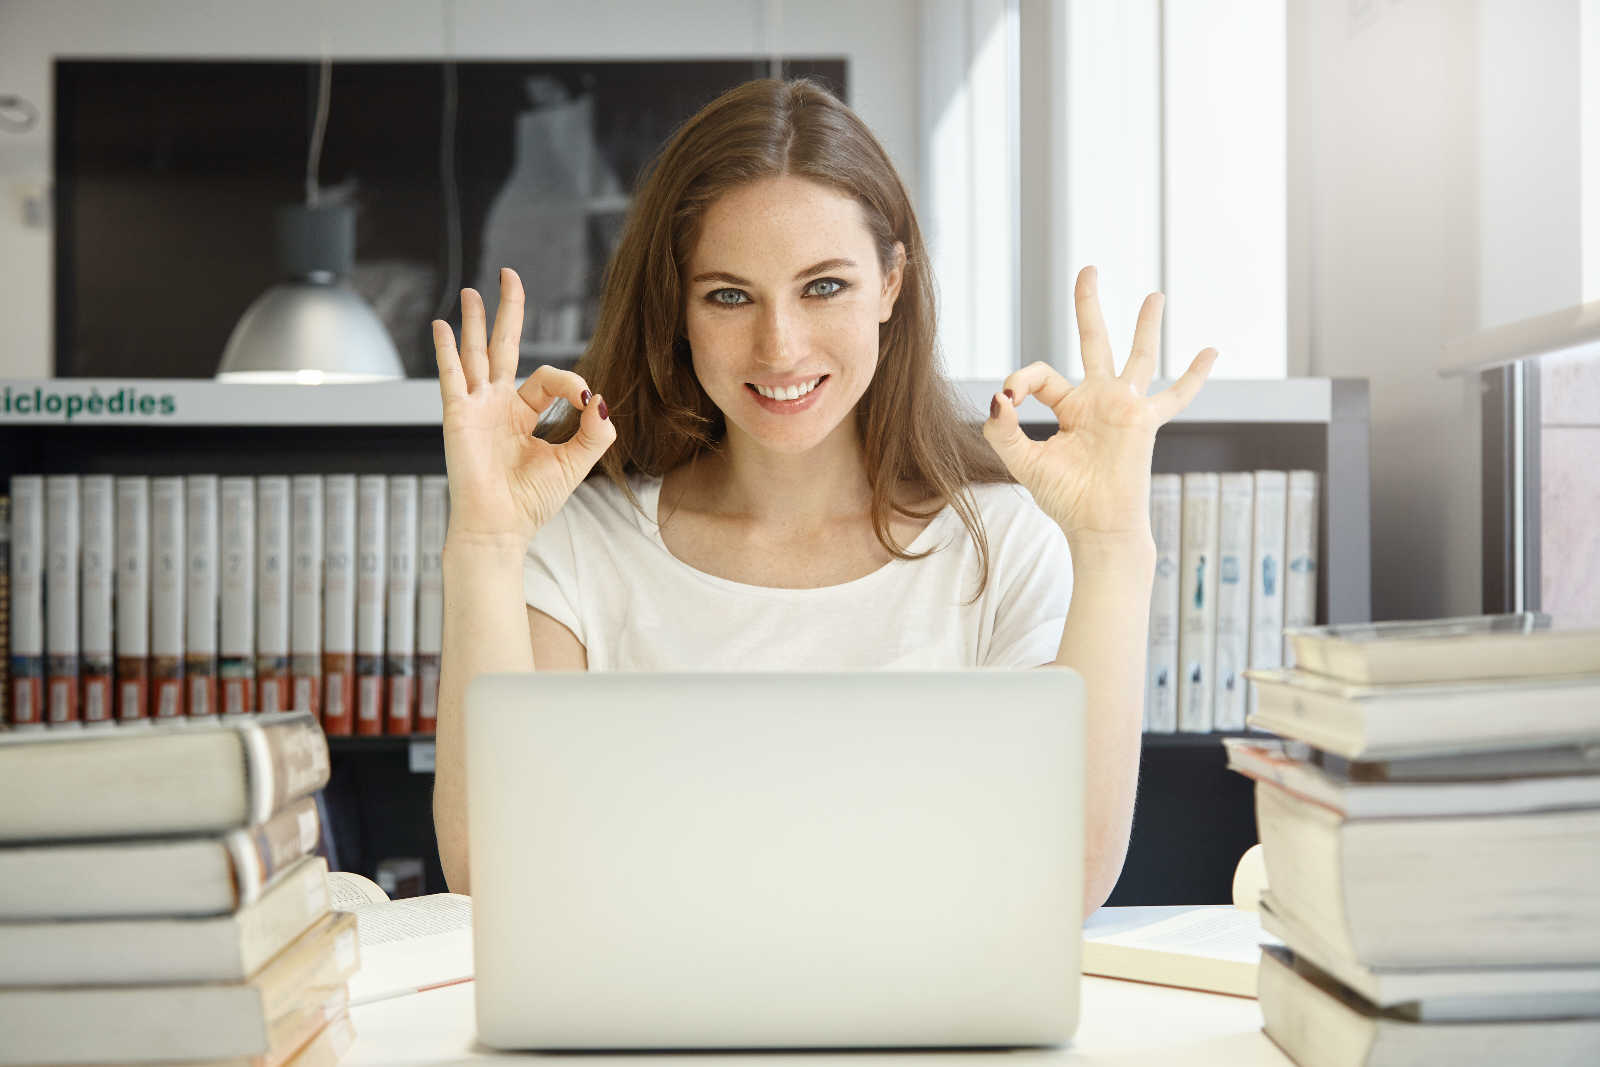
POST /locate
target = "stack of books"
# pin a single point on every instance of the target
(161, 899)
(1430, 821)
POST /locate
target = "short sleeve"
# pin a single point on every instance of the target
(1032, 569)
(550, 574)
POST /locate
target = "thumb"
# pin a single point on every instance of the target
(596, 433)
(1003, 431)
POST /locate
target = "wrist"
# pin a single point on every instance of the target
(1130, 554)
(462, 547)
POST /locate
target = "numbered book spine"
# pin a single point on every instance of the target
(63, 548)
(400, 625)
(1236, 495)
(339, 606)
(1197, 636)
(169, 567)
(434, 519)
(1161, 678)
(236, 632)
(372, 551)
(1267, 574)
(5, 611)
(1300, 587)
(27, 600)
(96, 592)
(272, 593)
(132, 583)
(201, 596)
(305, 614)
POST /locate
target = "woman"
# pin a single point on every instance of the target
(781, 476)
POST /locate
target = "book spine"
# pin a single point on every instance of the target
(1266, 575)
(339, 606)
(63, 560)
(1197, 637)
(27, 600)
(201, 596)
(263, 852)
(5, 611)
(372, 551)
(1161, 681)
(305, 614)
(272, 593)
(132, 643)
(97, 595)
(169, 598)
(285, 760)
(236, 633)
(1300, 541)
(434, 519)
(400, 625)
(1235, 501)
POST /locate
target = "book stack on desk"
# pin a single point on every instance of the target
(1430, 822)
(160, 899)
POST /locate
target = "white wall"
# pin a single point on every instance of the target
(878, 38)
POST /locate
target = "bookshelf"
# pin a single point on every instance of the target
(1194, 818)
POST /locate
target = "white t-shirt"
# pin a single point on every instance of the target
(602, 569)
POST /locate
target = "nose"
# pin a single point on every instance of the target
(776, 334)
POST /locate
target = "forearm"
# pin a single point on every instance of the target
(485, 631)
(1104, 640)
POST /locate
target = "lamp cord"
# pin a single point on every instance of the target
(321, 125)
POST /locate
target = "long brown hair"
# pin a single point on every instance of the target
(909, 419)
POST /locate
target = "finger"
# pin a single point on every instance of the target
(505, 346)
(1176, 397)
(548, 384)
(451, 381)
(1039, 380)
(1093, 341)
(583, 450)
(1141, 366)
(474, 349)
(1003, 431)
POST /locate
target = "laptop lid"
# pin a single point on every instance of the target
(707, 860)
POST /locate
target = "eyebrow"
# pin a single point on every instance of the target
(734, 279)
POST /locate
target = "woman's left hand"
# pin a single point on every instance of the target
(1093, 475)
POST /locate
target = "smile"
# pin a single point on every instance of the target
(793, 392)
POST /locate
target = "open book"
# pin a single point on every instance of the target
(407, 945)
(1212, 948)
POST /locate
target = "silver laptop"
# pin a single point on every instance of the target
(831, 860)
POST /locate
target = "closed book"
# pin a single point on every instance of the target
(372, 553)
(224, 948)
(400, 625)
(1197, 634)
(202, 538)
(63, 541)
(133, 598)
(272, 594)
(339, 606)
(1465, 648)
(236, 630)
(1269, 512)
(172, 778)
(1235, 503)
(433, 522)
(305, 610)
(97, 507)
(1301, 524)
(1426, 718)
(1437, 891)
(1319, 1023)
(1161, 680)
(27, 600)
(143, 876)
(1437, 994)
(270, 1015)
(169, 597)
(5, 611)
(329, 1046)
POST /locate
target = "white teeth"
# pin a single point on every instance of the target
(793, 392)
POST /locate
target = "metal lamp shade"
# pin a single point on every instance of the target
(309, 332)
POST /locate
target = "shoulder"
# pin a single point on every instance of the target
(1008, 508)
(598, 501)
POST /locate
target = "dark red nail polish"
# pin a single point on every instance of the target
(1010, 395)
(994, 407)
(604, 414)
(586, 396)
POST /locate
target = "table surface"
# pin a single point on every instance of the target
(1120, 1022)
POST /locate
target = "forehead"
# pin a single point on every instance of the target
(782, 221)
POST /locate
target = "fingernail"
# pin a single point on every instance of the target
(586, 396)
(994, 407)
(604, 414)
(1010, 395)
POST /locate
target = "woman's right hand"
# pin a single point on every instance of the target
(504, 482)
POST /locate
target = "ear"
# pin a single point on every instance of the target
(891, 283)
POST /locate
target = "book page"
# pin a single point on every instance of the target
(412, 944)
(1216, 933)
(350, 891)
(412, 917)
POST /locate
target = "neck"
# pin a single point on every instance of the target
(782, 491)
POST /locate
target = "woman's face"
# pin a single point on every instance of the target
(785, 295)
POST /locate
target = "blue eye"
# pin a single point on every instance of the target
(715, 296)
(838, 285)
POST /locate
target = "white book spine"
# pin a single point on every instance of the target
(96, 594)
(169, 568)
(400, 629)
(272, 592)
(27, 600)
(433, 523)
(1197, 637)
(1236, 496)
(372, 549)
(1161, 672)
(339, 604)
(201, 518)
(63, 549)
(1300, 585)
(1267, 574)
(236, 634)
(133, 598)
(305, 616)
